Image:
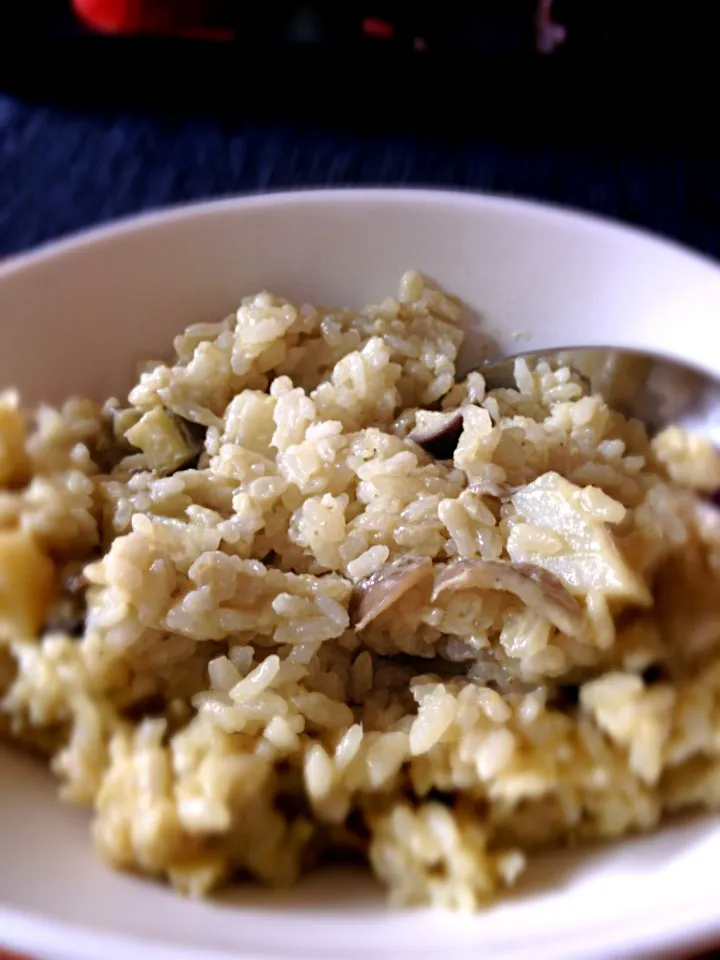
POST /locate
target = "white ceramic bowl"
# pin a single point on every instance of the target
(77, 315)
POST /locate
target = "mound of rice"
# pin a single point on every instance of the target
(254, 624)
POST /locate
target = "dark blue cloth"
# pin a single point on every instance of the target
(61, 170)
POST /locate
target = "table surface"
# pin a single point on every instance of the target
(63, 169)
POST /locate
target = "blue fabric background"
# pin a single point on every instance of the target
(62, 170)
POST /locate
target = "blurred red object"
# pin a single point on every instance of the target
(189, 18)
(378, 29)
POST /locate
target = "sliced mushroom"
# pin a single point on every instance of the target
(537, 588)
(378, 592)
(438, 432)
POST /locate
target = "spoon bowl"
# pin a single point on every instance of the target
(660, 391)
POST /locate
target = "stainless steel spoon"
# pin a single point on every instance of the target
(657, 390)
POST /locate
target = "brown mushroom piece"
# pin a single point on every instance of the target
(538, 589)
(378, 592)
(437, 432)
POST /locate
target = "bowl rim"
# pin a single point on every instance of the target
(159, 217)
(48, 937)
(652, 935)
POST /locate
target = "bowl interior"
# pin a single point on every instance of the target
(78, 316)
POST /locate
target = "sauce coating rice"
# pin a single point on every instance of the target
(265, 612)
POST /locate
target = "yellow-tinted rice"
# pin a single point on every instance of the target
(180, 579)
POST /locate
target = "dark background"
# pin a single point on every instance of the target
(94, 128)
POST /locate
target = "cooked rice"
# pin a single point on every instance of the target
(181, 581)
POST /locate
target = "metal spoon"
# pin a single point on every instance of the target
(657, 390)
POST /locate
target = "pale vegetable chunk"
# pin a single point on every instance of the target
(689, 459)
(12, 439)
(164, 439)
(27, 578)
(583, 554)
